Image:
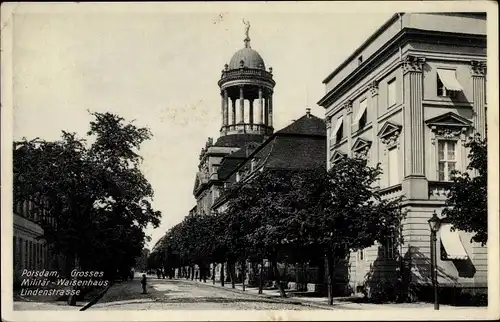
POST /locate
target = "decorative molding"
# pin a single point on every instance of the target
(390, 133)
(361, 145)
(381, 55)
(373, 87)
(336, 156)
(348, 107)
(448, 126)
(360, 148)
(478, 68)
(328, 122)
(413, 64)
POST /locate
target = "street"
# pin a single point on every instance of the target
(182, 294)
(165, 294)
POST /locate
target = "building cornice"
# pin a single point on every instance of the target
(404, 36)
(365, 44)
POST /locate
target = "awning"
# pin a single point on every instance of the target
(362, 109)
(452, 243)
(449, 79)
(337, 127)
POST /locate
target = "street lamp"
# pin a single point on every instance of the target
(434, 224)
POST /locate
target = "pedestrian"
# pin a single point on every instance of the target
(143, 282)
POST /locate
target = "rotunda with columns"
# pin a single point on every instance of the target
(246, 94)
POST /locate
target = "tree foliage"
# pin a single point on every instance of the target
(467, 201)
(293, 216)
(93, 201)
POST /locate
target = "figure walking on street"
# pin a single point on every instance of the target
(143, 282)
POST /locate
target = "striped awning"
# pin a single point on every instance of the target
(337, 126)
(449, 79)
(452, 243)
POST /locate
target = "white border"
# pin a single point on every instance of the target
(7, 10)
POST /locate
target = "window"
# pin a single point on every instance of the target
(362, 120)
(362, 114)
(340, 134)
(362, 254)
(390, 247)
(337, 131)
(393, 166)
(447, 83)
(441, 90)
(447, 159)
(391, 92)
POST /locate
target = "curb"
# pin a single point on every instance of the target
(276, 300)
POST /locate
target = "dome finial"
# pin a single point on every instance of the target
(247, 37)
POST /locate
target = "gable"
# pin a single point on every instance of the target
(337, 156)
(389, 129)
(449, 119)
(361, 144)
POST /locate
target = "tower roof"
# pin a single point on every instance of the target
(251, 59)
(247, 57)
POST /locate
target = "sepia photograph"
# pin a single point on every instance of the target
(274, 159)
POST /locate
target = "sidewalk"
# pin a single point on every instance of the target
(322, 302)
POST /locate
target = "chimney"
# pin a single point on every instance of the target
(308, 112)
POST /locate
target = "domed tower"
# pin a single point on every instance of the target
(247, 93)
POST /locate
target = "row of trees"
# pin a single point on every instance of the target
(93, 200)
(291, 217)
(297, 217)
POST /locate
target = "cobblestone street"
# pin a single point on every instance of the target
(165, 294)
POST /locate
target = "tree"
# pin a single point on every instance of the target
(353, 216)
(93, 201)
(467, 200)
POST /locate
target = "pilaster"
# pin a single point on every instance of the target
(374, 109)
(328, 122)
(415, 184)
(348, 114)
(478, 71)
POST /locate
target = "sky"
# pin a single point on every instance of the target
(161, 67)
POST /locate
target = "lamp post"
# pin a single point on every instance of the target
(434, 224)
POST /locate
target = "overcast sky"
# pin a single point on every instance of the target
(161, 67)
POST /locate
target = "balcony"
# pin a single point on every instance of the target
(438, 190)
(245, 73)
(248, 128)
(391, 192)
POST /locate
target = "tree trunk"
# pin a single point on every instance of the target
(205, 271)
(222, 278)
(330, 272)
(213, 272)
(261, 277)
(228, 271)
(243, 272)
(278, 278)
(192, 271)
(233, 274)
